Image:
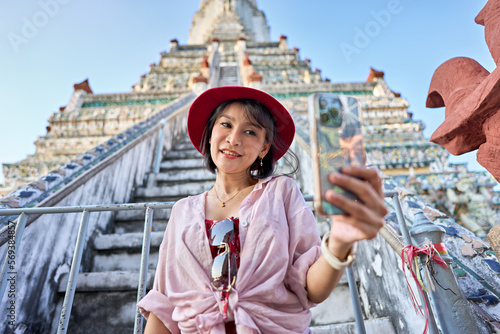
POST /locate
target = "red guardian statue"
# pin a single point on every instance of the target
(471, 97)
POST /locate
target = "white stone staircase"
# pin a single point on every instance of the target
(228, 74)
(106, 292)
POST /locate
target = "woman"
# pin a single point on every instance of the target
(245, 256)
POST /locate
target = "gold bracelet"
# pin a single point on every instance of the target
(332, 259)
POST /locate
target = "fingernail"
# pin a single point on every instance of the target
(331, 193)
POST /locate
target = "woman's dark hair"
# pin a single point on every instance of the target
(257, 111)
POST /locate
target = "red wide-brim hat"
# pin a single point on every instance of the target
(208, 101)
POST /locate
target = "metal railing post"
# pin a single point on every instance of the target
(447, 294)
(143, 275)
(73, 275)
(353, 289)
(10, 257)
(407, 240)
(159, 148)
(401, 219)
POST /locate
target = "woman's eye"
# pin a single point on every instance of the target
(225, 124)
(250, 132)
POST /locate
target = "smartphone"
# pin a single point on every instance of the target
(336, 141)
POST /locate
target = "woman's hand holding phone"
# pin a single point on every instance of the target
(363, 218)
(352, 198)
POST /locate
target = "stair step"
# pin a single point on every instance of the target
(228, 81)
(137, 226)
(122, 260)
(184, 154)
(183, 146)
(228, 75)
(107, 281)
(333, 311)
(133, 221)
(127, 241)
(140, 215)
(380, 325)
(103, 312)
(177, 190)
(181, 164)
(184, 139)
(191, 175)
(161, 198)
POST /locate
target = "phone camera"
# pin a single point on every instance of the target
(324, 117)
(330, 117)
(323, 103)
(334, 112)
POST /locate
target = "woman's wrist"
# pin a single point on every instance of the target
(339, 263)
(339, 249)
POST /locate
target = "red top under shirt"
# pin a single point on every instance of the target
(234, 247)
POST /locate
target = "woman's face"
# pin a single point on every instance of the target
(237, 140)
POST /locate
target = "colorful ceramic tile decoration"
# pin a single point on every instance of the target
(482, 296)
(451, 231)
(493, 265)
(459, 272)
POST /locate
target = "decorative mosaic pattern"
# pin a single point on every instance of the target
(306, 94)
(124, 103)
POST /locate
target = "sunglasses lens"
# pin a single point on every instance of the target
(223, 270)
(222, 232)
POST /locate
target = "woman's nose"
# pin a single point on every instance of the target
(234, 138)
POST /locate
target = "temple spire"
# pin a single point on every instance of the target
(228, 6)
(227, 20)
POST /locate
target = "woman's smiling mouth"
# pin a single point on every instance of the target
(231, 153)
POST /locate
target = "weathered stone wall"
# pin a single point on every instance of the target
(49, 242)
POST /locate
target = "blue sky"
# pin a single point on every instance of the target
(113, 42)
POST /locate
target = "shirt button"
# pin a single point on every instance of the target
(244, 223)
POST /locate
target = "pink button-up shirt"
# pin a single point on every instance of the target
(279, 242)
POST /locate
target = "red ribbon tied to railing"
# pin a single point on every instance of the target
(433, 252)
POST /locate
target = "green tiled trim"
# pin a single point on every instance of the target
(94, 104)
(476, 276)
(304, 94)
(459, 272)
